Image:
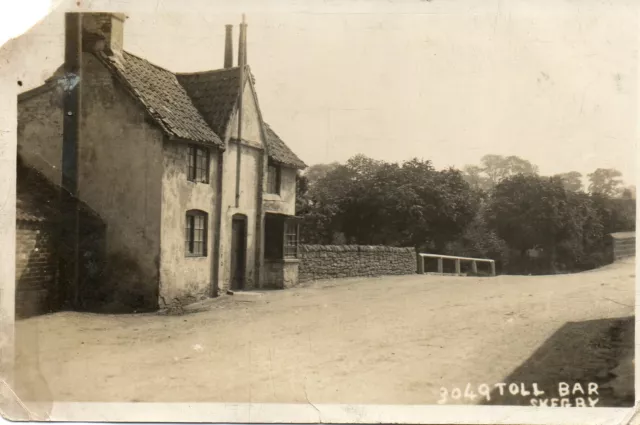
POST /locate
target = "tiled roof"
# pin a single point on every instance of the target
(193, 106)
(280, 152)
(163, 97)
(214, 93)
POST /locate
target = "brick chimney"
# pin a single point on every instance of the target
(228, 47)
(103, 32)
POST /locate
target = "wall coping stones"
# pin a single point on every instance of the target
(354, 248)
(623, 235)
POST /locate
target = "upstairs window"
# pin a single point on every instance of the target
(196, 234)
(198, 161)
(273, 179)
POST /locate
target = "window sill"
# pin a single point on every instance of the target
(195, 257)
(271, 196)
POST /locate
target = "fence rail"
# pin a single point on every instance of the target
(458, 260)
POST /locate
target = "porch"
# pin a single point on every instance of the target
(281, 250)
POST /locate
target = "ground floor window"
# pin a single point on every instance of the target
(281, 237)
(291, 239)
(196, 234)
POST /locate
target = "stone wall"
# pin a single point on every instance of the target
(340, 261)
(280, 274)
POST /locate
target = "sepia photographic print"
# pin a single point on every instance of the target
(412, 211)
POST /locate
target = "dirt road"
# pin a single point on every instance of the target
(387, 340)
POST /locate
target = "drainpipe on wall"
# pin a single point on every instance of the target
(70, 141)
(242, 57)
(216, 259)
(260, 220)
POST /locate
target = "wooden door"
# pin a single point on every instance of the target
(238, 253)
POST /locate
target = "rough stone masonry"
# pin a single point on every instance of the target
(340, 261)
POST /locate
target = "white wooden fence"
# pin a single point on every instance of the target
(458, 260)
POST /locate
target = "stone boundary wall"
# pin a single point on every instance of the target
(340, 261)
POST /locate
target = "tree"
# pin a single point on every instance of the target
(572, 181)
(615, 214)
(498, 167)
(302, 198)
(495, 168)
(317, 171)
(324, 200)
(533, 211)
(375, 202)
(581, 245)
(628, 192)
(605, 181)
(480, 241)
(528, 212)
(473, 175)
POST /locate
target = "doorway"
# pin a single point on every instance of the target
(238, 252)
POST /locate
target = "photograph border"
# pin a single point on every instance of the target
(12, 408)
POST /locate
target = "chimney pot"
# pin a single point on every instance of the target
(228, 47)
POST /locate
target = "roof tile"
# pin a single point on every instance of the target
(280, 152)
(163, 96)
(214, 94)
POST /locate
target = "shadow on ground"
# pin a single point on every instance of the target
(594, 351)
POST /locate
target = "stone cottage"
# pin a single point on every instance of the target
(196, 191)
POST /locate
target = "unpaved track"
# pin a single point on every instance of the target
(387, 340)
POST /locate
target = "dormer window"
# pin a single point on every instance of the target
(273, 178)
(198, 160)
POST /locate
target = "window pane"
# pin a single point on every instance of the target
(199, 174)
(291, 239)
(196, 233)
(201, 158)
(190, 164)
(189, 234)
(198, 164)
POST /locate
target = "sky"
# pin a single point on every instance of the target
(552, 81)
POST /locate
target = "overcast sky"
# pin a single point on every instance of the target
(554, 82)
